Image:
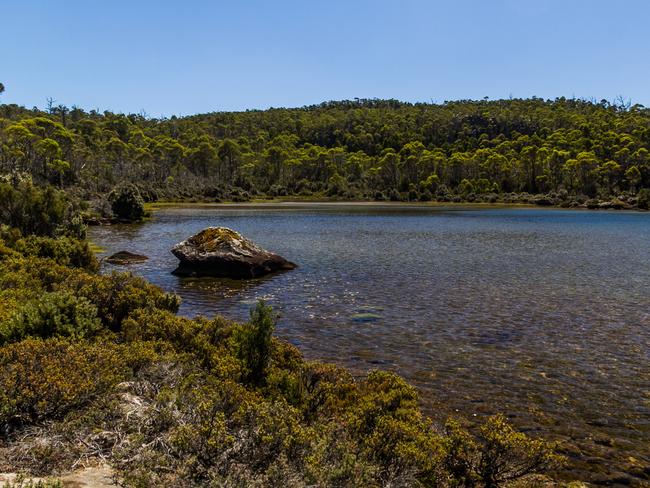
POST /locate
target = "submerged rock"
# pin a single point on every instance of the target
(223, 252)
(366, 317)
(126, 257)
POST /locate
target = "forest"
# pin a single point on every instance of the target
(567, 152)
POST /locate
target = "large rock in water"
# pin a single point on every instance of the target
(219, 251)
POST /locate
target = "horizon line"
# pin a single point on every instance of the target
(619, 101)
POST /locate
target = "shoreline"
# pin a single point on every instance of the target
(153, 206)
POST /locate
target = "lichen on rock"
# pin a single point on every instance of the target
(223, 252)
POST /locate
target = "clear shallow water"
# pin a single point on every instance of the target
(541, 314)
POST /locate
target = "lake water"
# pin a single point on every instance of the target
(541, 314)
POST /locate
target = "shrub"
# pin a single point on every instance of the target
(379, 437)
(119, 294)
(52, 314)
(32, 210)
(507, 455)
(413, 194)
(63, 250)
(643, 198)
(328, 389)
(33, 275)
(277, 191)
(252, 342)
(10, 301)
(45, 379)
(498, 455)
(431, 183)
(126, 203)
(156, 324)
(391, 429)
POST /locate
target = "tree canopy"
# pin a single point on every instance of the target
(350, 149)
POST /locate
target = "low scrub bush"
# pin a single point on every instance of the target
(496, 456)
(56, 314)
(119, 294)
(43, 211)
(64, 250)
(42, 379)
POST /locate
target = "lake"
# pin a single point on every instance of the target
(542, 314)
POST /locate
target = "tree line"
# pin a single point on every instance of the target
(360, 149)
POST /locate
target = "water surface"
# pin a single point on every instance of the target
(541, 314)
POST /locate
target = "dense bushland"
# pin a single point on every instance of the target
(575, 152)
(101, 367)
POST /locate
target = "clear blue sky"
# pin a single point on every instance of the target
(194, 56)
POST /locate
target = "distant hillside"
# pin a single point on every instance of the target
(361, 149)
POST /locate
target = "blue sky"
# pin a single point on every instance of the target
(195, 56)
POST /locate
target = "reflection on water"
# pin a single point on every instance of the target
(542, 314)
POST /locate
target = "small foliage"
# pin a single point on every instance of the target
(45, 379)
(56, 314)
(252, 342)
(127, 203)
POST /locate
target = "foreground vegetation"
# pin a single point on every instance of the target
(99, 368)
(562, 152)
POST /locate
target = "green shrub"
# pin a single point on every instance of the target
(431, 183)
(56, 314)
(336, 185)
(496, 456)
(252, 342)
(155, 324)
(391, 430)
(30, 209)
(34, 275)
(10, 302)
(64, 250)
(118, 294)
(460, 458)
(126, 203)
(183, 334)
(328, 388)
(507, 455)
(413, 194)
